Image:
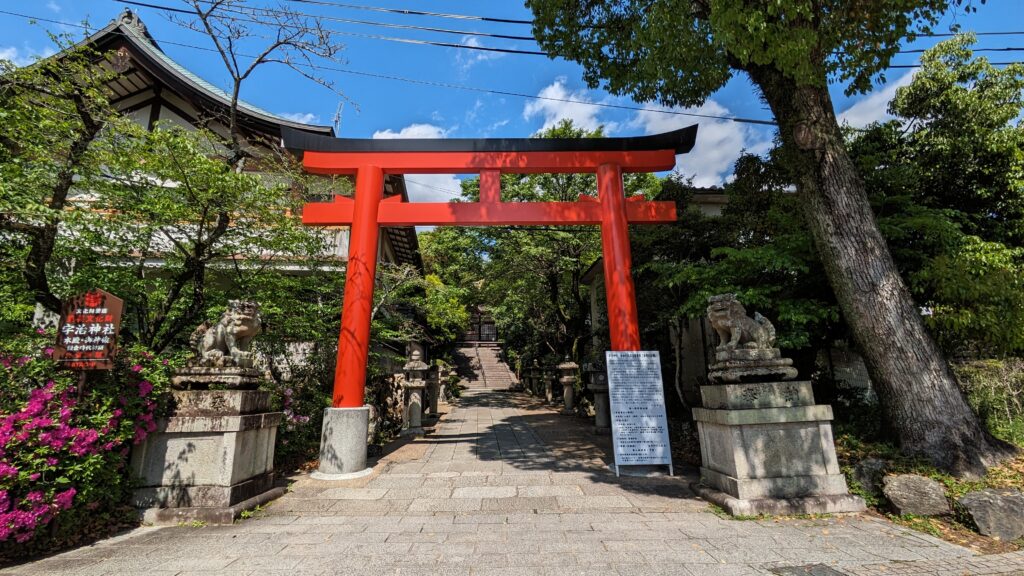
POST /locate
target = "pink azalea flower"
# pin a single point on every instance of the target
(64, 499)
(137, 368)
(145, 388)
(7, 470)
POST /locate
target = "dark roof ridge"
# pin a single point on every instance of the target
(130, 27)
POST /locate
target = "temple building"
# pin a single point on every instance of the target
(152, 88)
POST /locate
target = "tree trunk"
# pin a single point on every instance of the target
(44, 242)
(918, 393)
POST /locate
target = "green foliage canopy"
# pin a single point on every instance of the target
(679, 52)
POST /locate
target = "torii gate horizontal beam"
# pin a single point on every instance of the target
(393, 212)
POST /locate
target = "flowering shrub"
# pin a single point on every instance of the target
(63, 451)
(302, 399)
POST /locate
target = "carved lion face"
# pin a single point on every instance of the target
(725, 306)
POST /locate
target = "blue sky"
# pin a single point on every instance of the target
(386, 108)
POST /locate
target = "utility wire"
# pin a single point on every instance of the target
(1010, 49)
(530, 22)
(446, 85)
(952, 34)
(251, 12)
(400, 26)
(343, 33)
(438, 188)
(413, 12)
(158, 7)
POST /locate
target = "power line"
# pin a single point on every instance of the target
(157, 7)
(530, 22)
(344, 33)
(251, 13)
(438, 188)
(447, 85)
(400, 26)
(952, 34)
(497, 92)
(921, 65)
(413, 12)
(923, 50)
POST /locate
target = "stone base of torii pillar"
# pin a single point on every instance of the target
(343, 444)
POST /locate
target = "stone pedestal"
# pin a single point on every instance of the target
(343, 444)
(767, 449)
(750, 365)
(549, 387)
(433, 392)
(568, 395)
(211, 459)
(201, 377)
(442, 385)
(602, 412)
(413, 408)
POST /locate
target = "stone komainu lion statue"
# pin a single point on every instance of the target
(735, 330)
(226, 343)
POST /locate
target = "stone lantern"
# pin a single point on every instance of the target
(599, 387)
(535, 378)
(567, 369)
(415, 372)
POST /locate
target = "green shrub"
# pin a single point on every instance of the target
(995, 389)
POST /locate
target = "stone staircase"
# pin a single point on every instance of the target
(481, 367)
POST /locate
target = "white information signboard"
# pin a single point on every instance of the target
(639, 423)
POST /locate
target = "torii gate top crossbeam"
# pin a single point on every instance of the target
(490, 158)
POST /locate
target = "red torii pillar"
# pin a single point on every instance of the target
(370, 160)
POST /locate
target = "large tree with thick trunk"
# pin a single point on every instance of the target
(678, 52)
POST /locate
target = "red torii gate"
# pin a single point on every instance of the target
(370, 160)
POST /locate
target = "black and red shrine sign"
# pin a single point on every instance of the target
(87, 335)
(370, 160)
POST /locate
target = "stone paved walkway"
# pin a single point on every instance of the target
(506, 486)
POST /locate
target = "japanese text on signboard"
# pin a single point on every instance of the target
(639, 423)
(87, 335)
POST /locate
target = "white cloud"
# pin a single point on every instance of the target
(26, 56)
(874, 106)
(491, 128)
(719, 142)
(53, 7)
(466, 58)
(425, 187)
(413, 131)
(471, 113)
(554, 108)
(301, 117)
